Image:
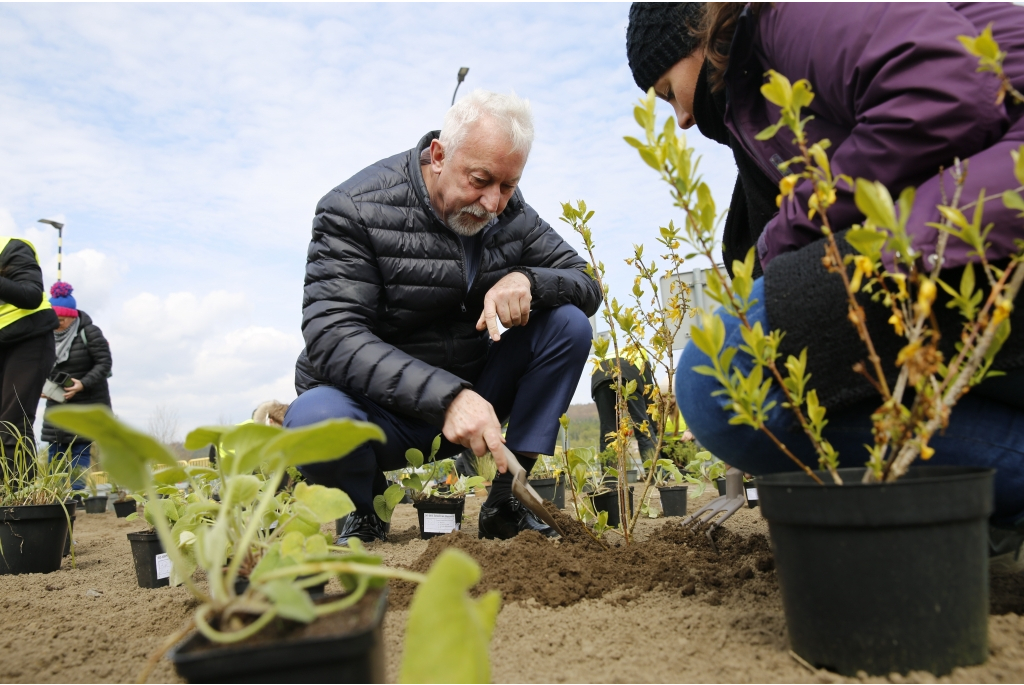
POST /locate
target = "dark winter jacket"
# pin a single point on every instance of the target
(386, 311)
(90, 362)
(898, 97)
(21, 284)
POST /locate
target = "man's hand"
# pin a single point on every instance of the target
(470, 421)
(76, 387)
(508, 301)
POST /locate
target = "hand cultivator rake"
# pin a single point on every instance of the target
(721, 508)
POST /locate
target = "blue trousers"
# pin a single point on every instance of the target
(982, 431)
(529, 378)
(79, 457)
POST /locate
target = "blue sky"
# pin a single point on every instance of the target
(186, 146)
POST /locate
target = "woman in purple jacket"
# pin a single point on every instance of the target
(898, 97)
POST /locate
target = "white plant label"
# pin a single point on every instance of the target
(439, 523)
(163, 566)
(751, 493)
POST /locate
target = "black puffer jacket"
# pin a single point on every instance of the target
(89, 361)
(385, 309)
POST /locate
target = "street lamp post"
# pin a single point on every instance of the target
(462, 77)
(60, 245)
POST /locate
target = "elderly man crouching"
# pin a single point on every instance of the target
(412, 263)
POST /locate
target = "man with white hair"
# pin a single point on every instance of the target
(412, 264)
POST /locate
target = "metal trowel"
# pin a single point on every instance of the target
(524, 492)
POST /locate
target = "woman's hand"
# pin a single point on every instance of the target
(76, 387)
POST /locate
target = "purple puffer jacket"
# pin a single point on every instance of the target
(898, 97)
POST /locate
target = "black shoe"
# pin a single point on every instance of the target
(507, 519)
(366, 527)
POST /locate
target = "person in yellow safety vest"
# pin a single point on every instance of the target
(27, 349)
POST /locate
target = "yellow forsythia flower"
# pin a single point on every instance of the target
(925, 297)
(896, 320)
(862, 267)
(927, 452)
(1002, 311)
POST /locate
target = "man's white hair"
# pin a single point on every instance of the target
(511, 112)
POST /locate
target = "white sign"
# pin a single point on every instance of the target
(163, 566)
(751, 493)
(439, 523)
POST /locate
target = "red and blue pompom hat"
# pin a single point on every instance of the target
(62, 301)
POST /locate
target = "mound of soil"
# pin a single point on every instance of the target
(561, 573)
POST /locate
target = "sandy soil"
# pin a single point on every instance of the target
(668, 622)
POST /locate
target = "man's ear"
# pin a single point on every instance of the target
(436, 156)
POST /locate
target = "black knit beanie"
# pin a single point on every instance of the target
(658, 36)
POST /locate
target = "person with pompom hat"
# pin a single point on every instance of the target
(26, 342)
(82, 352)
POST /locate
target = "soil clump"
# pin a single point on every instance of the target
(563, 572)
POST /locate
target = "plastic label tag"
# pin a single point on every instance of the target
(439, 523)
(751, 493)
(163, 566)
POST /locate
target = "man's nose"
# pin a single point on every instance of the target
(491, 198)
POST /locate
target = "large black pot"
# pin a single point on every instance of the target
(152, 566)
(32, 538)
(125, 509)
(609, 501)
(435, 516)
(673, 500)
(96, 505)
(356, 656)
(552, 489)
(883, 577)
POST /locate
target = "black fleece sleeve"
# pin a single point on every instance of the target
(21, 279)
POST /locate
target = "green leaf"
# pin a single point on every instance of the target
(874, 200)
(322, 441)
(381, 508)
(866, 241)
(394, 494)
(206, 435)
(444, 619)
(414, 457)
(1013, 200)
(247, 441)
(241, 490)
(325, 504)
(170, 476)
(290, 601)
(125, 453)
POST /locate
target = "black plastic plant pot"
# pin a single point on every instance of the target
(673, 500)
(152, 565)
(125, 509)
(32, 538)
(750, 490)
(96, 505)
(353, 656)
(609, 501)
(883, 578)
(439, 516)
(720, 484)
(550, 489)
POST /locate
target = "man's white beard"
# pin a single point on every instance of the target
(470, 220)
